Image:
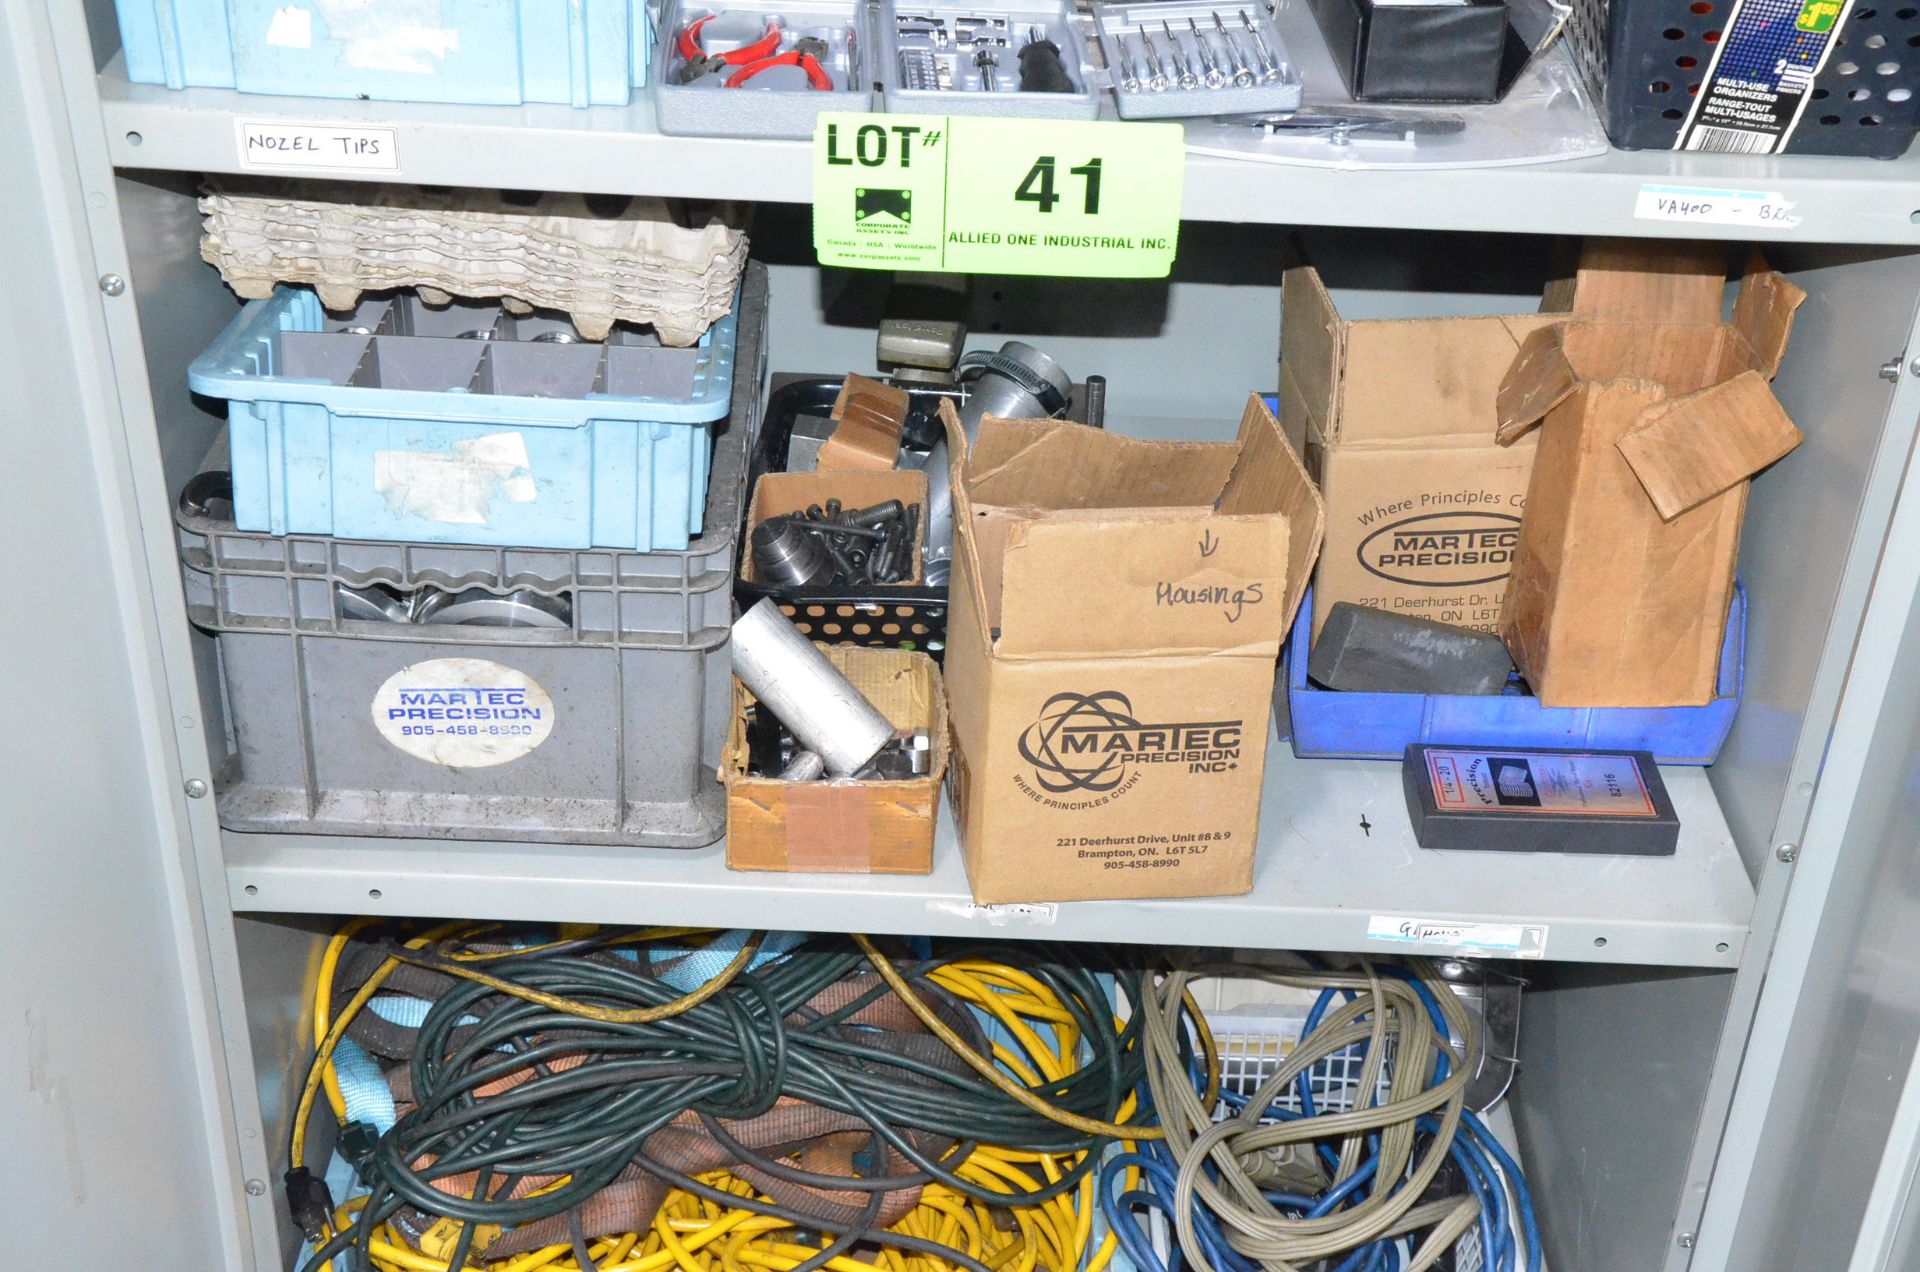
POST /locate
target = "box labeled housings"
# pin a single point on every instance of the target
(1118, 607)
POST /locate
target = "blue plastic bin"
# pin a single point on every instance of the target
(464, 424)
(483, 52)
(1329, 725)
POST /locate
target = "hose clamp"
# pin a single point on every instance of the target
(979, 362)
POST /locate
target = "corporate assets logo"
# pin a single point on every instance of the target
(882, 207)
(1443, 549)
(1089, 748)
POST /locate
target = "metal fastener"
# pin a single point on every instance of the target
(256, 1188)
(113, 284)
(196, 789)
(1686, 1240)
(1787, 853)
(1890, 369)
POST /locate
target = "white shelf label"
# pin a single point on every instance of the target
(1510, 940)
(280, 144)
(1020, 913)
(1697, 205)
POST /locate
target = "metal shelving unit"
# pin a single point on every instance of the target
(618, 150)
(1321, 882)
(1688, 1012)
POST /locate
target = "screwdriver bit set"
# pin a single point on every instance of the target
(959, 60)
(1169, 60)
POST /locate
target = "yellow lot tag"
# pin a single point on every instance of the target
(1069, 198)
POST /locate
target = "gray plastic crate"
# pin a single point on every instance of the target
(935, 38)
(602, 728)
(706, 108)
(239, 580)
(625, 741)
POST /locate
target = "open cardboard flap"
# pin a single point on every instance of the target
(1626, 293)
(1086, 543)
(1763, 313)
(1649, 281)
(1688, 449)
(1541, 378)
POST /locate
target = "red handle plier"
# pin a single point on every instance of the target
(805, 54)
(696, 61)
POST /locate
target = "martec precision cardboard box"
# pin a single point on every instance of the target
(1117, 612)
(1397, 420)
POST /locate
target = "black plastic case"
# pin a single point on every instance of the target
(1538, 799)
(1416, 52)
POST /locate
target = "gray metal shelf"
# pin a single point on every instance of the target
(1320, 879)
(618, 150)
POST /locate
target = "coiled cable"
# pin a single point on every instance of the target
(597, 1056)
(1380, 1156)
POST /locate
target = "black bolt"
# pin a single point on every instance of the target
(835, 530)
(888, 510)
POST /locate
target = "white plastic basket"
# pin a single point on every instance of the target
(1254, 1041)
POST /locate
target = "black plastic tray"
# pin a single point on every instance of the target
(894, 617)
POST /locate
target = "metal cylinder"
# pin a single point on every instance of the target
(805, 766)
(798, 684)
(477, 607)
(788, 555)
(1018, 382)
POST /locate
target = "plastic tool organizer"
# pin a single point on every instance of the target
(947, 59)
(464, 424)
(1648, 61)
(758, 70)
(1191, 57)
(1380, 726)
(504, 52)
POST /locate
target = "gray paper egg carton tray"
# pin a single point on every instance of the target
(239, 580)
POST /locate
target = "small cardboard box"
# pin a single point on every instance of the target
(843, 826)
(1117, 612)
(1397, 420)
(871, 416)
(778, 494)
(1653, 415)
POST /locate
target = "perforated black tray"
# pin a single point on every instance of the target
(896, 617)
(1866, 100)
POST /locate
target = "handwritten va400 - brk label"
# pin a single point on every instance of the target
(1058, 197)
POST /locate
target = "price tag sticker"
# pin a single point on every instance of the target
(1067, 198)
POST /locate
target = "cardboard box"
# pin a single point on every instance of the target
(844, 826)
(1397, 420)
(1117, 612)
(1653, 415)
(778, 494)
(871, 416)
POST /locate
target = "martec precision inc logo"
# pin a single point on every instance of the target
(1443, 549)
(1092, 744)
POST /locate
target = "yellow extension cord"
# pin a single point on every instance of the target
(692, 1234)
